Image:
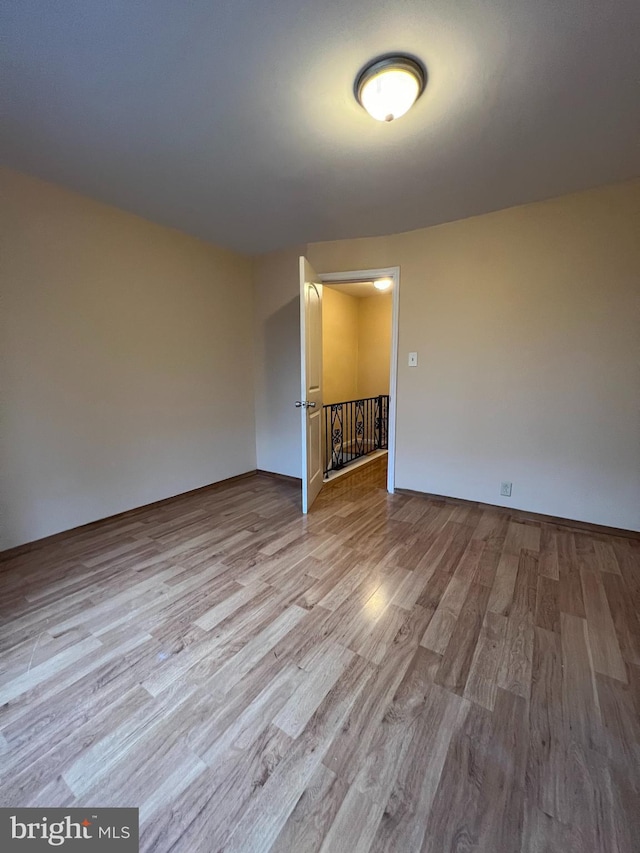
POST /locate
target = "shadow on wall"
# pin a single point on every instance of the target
(282, 363)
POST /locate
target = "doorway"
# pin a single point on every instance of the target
(348, 281)
(356, 361)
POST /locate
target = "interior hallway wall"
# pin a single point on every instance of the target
(340, 346)
(356, 345)
(374, 344)
(126, 360)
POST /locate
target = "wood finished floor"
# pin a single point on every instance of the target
(390, 673)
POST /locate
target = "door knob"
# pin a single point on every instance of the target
(305, 404)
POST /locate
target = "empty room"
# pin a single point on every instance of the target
(320, 426)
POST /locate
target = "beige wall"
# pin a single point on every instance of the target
(276, 330)
(126, 361)
(356, 345)
(127, 376)
(527, 327)
(340, 330)
(374, 344)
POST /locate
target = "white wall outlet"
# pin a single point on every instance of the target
(413, 359)
(505, 489)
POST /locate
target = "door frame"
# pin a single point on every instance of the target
(394, 274)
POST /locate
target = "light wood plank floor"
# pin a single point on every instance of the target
(390, 673)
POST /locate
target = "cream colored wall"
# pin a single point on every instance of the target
(356, 345)
(340, 331)
(276, 330)
(527, 327)
(374, 344)
(126, 361)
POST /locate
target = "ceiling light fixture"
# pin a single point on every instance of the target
(382, 284)
(389, 86)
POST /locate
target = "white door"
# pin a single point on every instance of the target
(310, 403)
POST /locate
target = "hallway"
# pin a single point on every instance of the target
(387, 673)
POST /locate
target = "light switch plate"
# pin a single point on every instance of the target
(413, 359)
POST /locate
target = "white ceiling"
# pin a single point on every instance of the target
(234, 120)
(359, 289)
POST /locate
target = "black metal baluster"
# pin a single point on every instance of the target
(355, 428)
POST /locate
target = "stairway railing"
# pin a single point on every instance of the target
(354, 428)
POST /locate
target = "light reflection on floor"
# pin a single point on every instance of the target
(376, 604)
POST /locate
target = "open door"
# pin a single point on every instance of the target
(310, 403)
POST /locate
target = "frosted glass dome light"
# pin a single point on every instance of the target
(387, 88)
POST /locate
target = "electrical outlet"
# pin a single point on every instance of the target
(505, 489)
